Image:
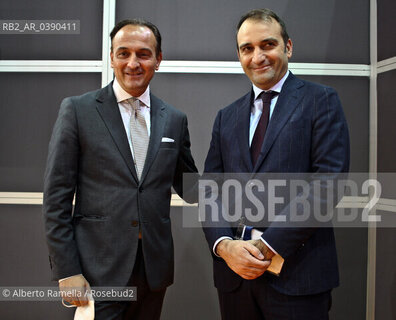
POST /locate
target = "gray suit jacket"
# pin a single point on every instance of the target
(89, 157)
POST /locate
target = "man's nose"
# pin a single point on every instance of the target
(133, 61)
(258, 56)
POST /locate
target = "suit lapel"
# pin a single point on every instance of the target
(285, 106)
(108, 109)
(243, 124)
(158, 120)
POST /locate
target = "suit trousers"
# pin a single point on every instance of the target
(148, 304)
(256, 300)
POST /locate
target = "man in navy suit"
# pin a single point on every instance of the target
(304, 131)
(118, 150)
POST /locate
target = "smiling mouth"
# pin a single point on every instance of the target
(262, 68)
(133, 74)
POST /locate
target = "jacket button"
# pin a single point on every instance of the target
(134, 223)
(140, 189)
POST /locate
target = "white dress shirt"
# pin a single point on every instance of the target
(126, 109)
(257, 108)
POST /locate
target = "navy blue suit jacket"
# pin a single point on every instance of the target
(306, 133)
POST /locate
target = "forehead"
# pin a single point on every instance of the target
(132, 35)
(258, 30)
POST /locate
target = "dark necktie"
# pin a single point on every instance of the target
(258, 137)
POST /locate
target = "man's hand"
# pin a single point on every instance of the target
(243, 258)
(267, 252)
(73, 290)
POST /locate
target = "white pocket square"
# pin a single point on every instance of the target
(165, 139)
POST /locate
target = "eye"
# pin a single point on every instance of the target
(246, 49)
(122, 54)
(269, 45)
(145, 54)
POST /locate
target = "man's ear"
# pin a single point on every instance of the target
(289, 48)
(159, 59)
(111, 58)
(239, 56)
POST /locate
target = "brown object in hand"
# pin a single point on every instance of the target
(276, 265)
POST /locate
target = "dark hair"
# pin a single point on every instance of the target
(138, 22)
(264, 15)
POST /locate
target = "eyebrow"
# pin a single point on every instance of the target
(121, 48)
(270, 39)
(126, 48)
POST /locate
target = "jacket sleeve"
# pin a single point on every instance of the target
(186, 174)
(329, 156)
(214, 225)
(60, 181)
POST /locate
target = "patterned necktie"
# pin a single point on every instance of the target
(139, 135)
(258, 138)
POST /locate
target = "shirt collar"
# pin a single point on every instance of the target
(277, 87)
(122, 95)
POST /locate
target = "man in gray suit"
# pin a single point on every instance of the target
(118, 150)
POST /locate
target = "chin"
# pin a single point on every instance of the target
(263, 81)
(133, 84)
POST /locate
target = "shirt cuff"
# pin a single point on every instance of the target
(256, 234)
(69, 277)
(217, 242)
